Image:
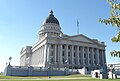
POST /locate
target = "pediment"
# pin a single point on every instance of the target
(81, 38)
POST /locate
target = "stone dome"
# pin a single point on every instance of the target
(51, 19)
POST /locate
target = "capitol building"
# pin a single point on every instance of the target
(59, 50)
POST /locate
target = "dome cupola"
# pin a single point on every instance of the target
(50, 27)
(51, 19)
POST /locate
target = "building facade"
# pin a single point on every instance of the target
(59, 50)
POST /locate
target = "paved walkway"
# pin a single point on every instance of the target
(45, 79)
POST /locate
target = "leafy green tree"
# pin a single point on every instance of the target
(114, 20)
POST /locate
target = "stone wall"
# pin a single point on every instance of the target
(33, 71)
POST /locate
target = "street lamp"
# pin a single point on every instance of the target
(65, 66)
(97, 66)
(10, 60)
(49, 70)
(49, 67)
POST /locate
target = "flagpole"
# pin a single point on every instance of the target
(77, 27)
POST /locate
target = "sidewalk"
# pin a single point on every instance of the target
(45, 79)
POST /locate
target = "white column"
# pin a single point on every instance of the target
(42, 55)
(66, 52)
(72, 54)
(103, 57)
(47, 54)
(83, 55)
(60, 54)
(92, 55)
(88, 55)
(98, 57)
(78, 55)
(55, 50)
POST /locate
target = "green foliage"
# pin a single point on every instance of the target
(116, 38)
(114, 20)
(115, 53)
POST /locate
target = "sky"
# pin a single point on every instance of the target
(20, 21)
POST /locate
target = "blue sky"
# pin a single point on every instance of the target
(20, 21)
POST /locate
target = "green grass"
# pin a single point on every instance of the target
(22, 77)
(54, 78)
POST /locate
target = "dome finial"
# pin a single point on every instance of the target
(51, 12)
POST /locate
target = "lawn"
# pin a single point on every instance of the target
(77, 77)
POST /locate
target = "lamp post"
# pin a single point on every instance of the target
(65, 66)
(10, 60)
(97, 66)
(49, 70)
(49, 67)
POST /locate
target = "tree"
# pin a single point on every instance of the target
(114, 20)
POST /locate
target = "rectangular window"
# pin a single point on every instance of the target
(85, 61)
(52, 53)
(51, 60)
(74, 54)
(69, 61)
(79, 48)
(89, 49)
(75, 61)
(63, 53)
(68, 47)
(63, 60)
(69, 54)
(63, 46)
(74, 48)
(90, 61)
(84, 55)
(79, 61)
(52, 46)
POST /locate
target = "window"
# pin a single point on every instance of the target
(85, 49)
(68, 47)
(74, 48)
(75, 61)
(94, 56)
(90, 61)
(84, 55)
(63, 53)
(79, 48)
(79, 61)
(69, 54)
(52, 46)
(52, 60)
(52, 53)
(85, 61)
(90, 49)
(94, 50)
(69, 60)
(63, 46)
(63, 60)
(74, 54)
